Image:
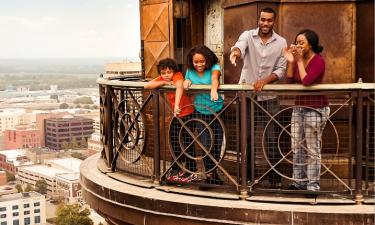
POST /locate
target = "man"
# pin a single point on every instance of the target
(262, 52)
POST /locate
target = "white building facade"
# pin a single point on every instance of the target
(23, 209)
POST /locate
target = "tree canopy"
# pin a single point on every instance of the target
(64, 106)
(83, 100)
(41, 187)
(19, 188)
(73, 215)
(10, 176)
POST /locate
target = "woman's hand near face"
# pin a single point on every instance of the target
(288, 54)
(298, 55)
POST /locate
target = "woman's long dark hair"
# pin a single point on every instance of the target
(209, 55)
(313, 39)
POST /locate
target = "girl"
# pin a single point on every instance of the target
(203, 69)
(309, 117)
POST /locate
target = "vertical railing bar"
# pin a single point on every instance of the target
(164, 131)
(156, 127)
(109, 130)
(359, 139)
(351, 145)
(252, 140)
(367, 175)
(243, 192)
(238, 139)
(102, 121)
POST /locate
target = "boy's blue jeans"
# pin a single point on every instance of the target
(307, 126)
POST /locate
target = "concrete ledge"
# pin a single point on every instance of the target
(130, 204)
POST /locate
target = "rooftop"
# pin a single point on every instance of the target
(44, 170)
(69, 176)
(11, 197)
(16, 156)
(68, 164)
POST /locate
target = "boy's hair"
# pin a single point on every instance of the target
(167, 63)
(269, 10)
(211, 58)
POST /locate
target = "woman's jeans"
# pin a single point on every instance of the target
(306, 138)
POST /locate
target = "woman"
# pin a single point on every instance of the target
(306, 66)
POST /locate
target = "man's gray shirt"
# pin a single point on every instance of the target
(261, 59)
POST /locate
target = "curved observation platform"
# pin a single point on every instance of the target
(146, 203)
(132, 181)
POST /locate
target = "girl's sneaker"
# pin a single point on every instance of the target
(187, 178)
(172, 176)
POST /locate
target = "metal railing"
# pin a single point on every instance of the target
(247, 145)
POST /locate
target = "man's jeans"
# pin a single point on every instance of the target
(306, 129)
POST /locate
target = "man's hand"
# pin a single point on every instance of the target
(236, 53)
(259, 84)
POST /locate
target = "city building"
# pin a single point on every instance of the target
(96, 124)
(10, 118)
(68, 132)
(49, 171)
(3, 178)
(94, 143)
(68, 187)
(39, 155)
(22, 209)
(124, 69)
(22, 137)
(32, 174)
(41, 123)
(10, 160)
(69, 164)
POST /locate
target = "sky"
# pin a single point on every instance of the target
(69, 28)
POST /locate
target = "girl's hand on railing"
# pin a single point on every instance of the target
(214, 95)
(187, 84)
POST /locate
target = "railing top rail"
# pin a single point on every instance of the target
(248, 87)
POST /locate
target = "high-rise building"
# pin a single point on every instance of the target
(40, 123)
(68, 132)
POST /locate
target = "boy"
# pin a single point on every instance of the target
(182, 107)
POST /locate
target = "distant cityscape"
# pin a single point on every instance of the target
(46, 130)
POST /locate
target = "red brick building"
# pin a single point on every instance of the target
(10, 160)
(68, 132)
(3, 178)
(22, 138)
